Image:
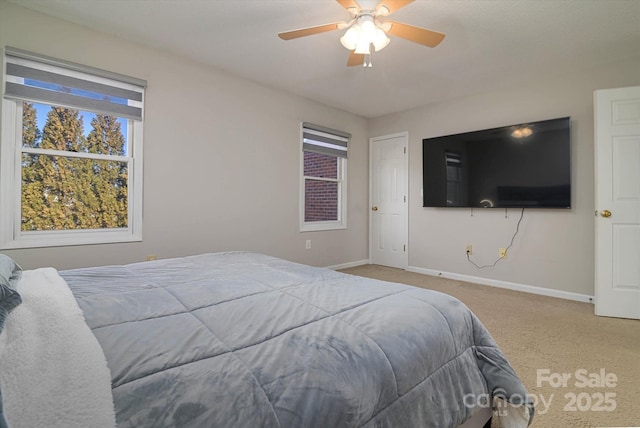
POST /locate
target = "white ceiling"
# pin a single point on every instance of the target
(489, 43)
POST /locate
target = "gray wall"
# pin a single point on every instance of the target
(221, 156)
(554, 248)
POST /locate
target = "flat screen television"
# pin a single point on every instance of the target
(526, 165)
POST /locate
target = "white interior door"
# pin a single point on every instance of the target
(389, 184)
(617, 140)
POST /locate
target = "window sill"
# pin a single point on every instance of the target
(320, 226)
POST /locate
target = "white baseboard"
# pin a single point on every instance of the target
(508, 285)
(350, 264)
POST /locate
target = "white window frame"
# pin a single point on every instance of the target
(11, 151)
(313, 226)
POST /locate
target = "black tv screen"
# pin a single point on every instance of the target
(526, 165)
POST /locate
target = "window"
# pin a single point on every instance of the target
(70, 154)
(323, 189)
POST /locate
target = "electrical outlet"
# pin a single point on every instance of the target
(152, 257)
(308, 244)
(469, 249)
(502, 252)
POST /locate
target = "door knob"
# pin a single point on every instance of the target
(374, 208)
(605, 213)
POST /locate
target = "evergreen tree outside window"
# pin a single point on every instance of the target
(71, 154)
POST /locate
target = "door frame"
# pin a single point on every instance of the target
(372, 140)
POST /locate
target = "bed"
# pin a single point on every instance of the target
(241, 339)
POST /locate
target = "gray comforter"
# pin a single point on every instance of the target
(248, 340)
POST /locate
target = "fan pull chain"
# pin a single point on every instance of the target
(367, 61)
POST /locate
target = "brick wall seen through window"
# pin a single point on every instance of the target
(321, 191)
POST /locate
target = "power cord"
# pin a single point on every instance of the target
(506, 249)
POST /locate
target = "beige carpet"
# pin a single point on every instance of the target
(556, 337)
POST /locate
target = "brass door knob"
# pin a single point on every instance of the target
(605, 213)
(374, 208)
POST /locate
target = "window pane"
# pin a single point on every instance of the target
(63, 193)
(58, 128)
(319, 165)
(321, 201)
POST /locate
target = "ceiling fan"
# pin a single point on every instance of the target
(365, 29)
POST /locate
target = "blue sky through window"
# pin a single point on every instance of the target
(42, 110)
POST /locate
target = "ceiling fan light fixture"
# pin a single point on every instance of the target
(367, 27)
(364, 33)
(363, 48)
(380, 40)
(351, 37)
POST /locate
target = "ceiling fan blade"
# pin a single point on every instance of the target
(352, 6)
(294, 34)
(355, 59)
(387, 7)
(415, 34)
